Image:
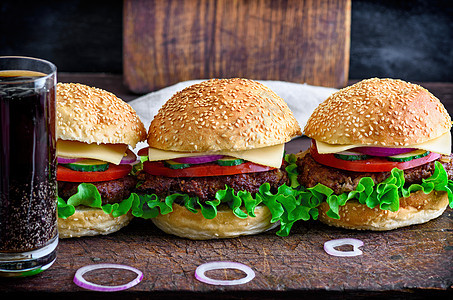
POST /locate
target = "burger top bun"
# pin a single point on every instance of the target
(222, 114)
(92, 115)
(381, 112)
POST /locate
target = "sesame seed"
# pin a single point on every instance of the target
(364, 105)
(229, 107)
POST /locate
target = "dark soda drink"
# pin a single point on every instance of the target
(28, 192)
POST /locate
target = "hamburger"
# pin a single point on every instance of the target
(215, 163)
(380, 156)
(96, 132)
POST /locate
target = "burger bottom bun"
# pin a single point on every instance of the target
(418, 208)
(88, 221)
(184, 223)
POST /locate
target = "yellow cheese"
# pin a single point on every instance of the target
(440, 145)
(268, 156)
(112, 153)
(324, 148)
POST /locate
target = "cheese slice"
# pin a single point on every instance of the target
(441, 145)
(112, 153)
(271, 156)
(324, 148)
(268, 156)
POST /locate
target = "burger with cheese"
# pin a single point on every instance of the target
(95, 134)
(380, 156)
(215, 163)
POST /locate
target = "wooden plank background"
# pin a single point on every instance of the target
(165, 42)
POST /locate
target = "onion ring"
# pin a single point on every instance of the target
(129, 158)
(82, 282)
(198, 159)
(382, 151)
(67, 160)
(217, 265)
(329, 247)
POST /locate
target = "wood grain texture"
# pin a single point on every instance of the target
(408, 263)
(165, 42)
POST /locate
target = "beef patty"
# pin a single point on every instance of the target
(205, 188)
(112, 191)
(341, 181)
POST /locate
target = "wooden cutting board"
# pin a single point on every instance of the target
(303, 41)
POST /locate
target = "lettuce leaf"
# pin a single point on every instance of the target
(291, 169)
(88, 195)
(285, 205)
(386, 194)
(288, 205)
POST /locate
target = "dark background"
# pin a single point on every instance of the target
(411, 40)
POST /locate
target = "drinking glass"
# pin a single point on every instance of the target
(28, 188)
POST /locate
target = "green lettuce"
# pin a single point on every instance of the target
(88, 195)
(384, 195)
(285, 205)
(291, 169)
(288, 205)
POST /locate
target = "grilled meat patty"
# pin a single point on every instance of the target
(112, 191)
(341, 181)
(205, 188)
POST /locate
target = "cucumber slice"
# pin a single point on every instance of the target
(88, 165)
(229, 161)
(408, 156)
(175, 165)
(350, 155)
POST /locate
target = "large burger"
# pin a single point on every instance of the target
(380, 156)
(95, 134)
(215, 163)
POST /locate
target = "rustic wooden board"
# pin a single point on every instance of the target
(165, 42)
(408, 263)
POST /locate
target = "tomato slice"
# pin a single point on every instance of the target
(373, 164)
(202, 170)
(143, 152)
(113, 172)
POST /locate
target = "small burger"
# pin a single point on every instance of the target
(95, 134)
(380, 156)
(215, 163)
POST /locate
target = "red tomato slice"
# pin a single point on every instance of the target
(143, 152)
(374, 164)
(202, 170)
(113, 172)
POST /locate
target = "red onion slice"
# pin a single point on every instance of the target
(218, 265)
(82, 282)
(67, 160)
(382, 151)
(130, 158)
(198, 159)
(330, 246)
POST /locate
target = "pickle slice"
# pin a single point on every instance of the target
(88, 165)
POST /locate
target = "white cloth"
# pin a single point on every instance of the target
(302, 99)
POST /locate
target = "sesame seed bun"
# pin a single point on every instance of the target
(222, 114)
(219, 115)
(88, 221)
(92, 115)
(381, 112)
(183, 223)
(418, 208)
